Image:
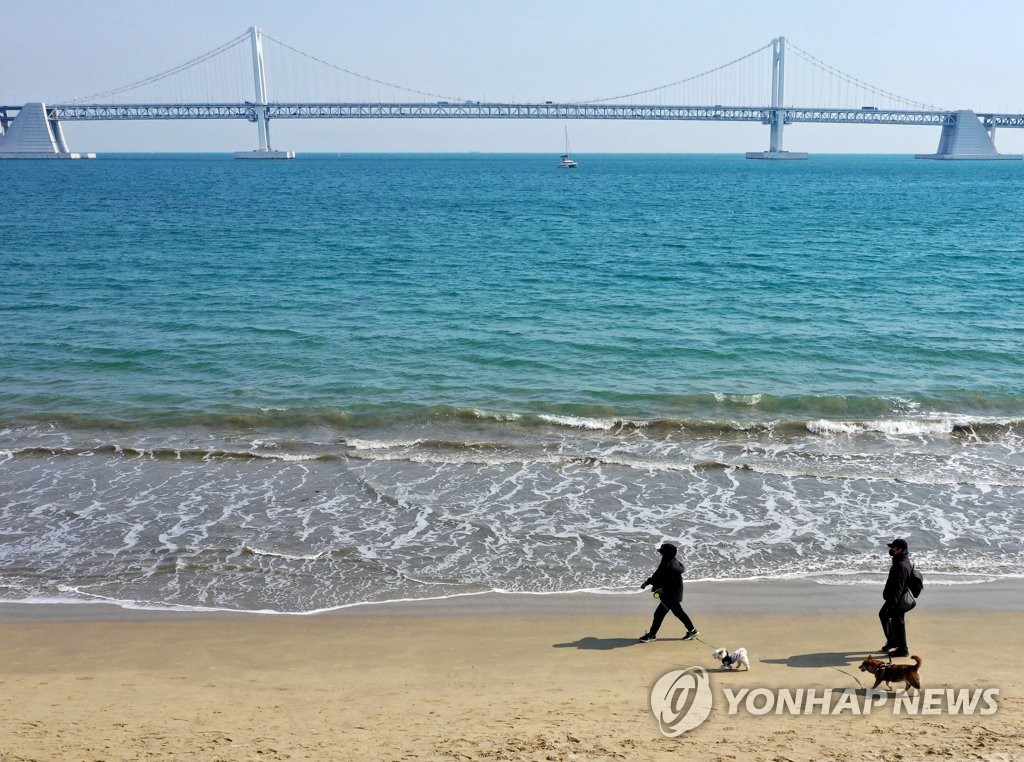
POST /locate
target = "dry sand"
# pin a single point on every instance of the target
(494, 677)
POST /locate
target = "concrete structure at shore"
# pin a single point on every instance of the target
(967, 138)
(33, 135)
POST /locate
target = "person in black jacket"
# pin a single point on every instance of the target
(667, 582)
(891, 617)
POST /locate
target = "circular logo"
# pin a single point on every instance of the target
(681, 700)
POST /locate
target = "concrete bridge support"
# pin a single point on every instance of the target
(33, 135)
(778, 118)
(262, 123)
(965, 137)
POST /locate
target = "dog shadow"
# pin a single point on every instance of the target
(823, 659)
(590, 643)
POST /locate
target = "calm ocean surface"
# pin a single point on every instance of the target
(291, 386)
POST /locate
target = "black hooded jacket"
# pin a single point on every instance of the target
(896, 582)
(668, 577)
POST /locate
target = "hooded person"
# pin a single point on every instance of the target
(894, 625)
(667, 584)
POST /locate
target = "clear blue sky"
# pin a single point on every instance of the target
(954, 54)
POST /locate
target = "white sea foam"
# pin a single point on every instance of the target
(290, 556)
(823, 426)
(905, 427)
(380, 444)
(495, 416)
(410, 521)
(889, 427)
(935, 424)
(751, 400)
(286, 457)
(905, 404)
(580, 422)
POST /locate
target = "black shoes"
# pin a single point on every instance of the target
(894, 651)
(647, 637)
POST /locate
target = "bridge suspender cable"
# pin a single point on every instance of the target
(680, 81)
(362, 76)
(841, 75)
(170, 72)
(830, 71)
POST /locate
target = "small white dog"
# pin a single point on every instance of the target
(732, 660)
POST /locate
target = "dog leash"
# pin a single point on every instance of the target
(713, 647)
(859, 683)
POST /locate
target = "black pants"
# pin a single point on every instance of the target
(662, 611)
(894, 626)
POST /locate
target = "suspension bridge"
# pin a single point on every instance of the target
(327, 91)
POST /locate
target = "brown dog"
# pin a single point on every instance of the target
(893, 673)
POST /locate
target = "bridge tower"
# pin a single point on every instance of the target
(777, 113)
(262, 123)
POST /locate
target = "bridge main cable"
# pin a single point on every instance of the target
(680, 81)
(365, 77)
(165, 74)
(861, 84)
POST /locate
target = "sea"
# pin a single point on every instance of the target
(296, 386)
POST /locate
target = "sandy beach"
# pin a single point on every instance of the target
(504, 677)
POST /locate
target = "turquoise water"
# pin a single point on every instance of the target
(298, 385)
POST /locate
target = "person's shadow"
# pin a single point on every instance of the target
(590, 643)
(824, 659)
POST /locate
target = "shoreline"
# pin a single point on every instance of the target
(755, 597)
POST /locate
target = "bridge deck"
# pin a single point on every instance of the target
(479, 110)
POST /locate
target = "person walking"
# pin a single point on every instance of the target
(667, 582)
(891, 615)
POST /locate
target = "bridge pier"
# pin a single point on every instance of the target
(262, 123)
(32, 134)
(965, 137)
(778, 113)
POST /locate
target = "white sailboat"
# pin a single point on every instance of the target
(567, 162)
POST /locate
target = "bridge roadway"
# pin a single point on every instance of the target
(479, 110)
